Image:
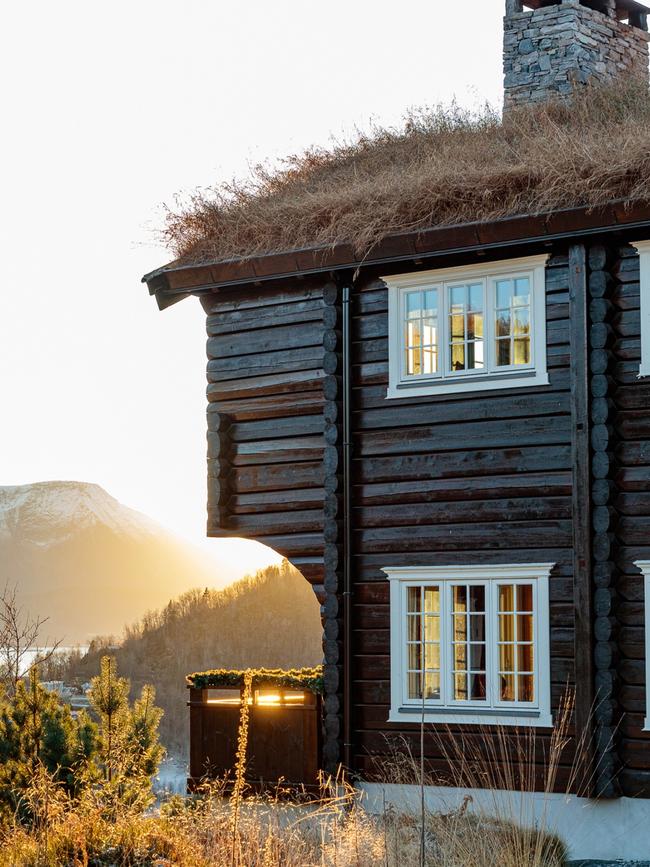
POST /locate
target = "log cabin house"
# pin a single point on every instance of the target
(449, 436)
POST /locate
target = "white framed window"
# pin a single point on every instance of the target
(644, 266)
(470, 644)
(467, 329)
(644, 566)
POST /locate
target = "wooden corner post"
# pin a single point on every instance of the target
(581, 513)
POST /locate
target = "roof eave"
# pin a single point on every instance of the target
(172, 282)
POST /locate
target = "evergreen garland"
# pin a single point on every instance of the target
(293, 678)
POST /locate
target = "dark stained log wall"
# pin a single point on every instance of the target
(274, 444)
(469, 478)
(487, 477)
(630, 480)
(265, 419)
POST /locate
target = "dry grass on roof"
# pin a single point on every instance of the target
(442, 167)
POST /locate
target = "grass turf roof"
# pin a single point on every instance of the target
(293, 678)
(444, 166)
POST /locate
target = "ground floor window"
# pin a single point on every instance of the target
(470, 644)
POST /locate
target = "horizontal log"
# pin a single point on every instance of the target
(284, 383)
(265, 364)
(522, 509)
(483, 434)
(556, 484)
(267, 316)
(265, 340)
(263, 502)
(284, 451)
(463, 464)
(498, 535)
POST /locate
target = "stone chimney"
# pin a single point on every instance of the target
(552, 47)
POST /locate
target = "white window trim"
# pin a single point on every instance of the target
(644, 566)
(644, 268)
(531, 266)
(515, 714)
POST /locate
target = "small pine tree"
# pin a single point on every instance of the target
(38, 731)
(109, 698)
(130, 749)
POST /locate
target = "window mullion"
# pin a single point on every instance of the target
(493, 634)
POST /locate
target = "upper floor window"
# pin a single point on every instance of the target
(644, 265)
(470, 644)
(468, 328)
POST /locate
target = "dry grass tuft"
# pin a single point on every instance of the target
(444, 166)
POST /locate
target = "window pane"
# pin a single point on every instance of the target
(415, 690)
(460, 598)
(475, 355)
(431, 302)
(507, 657)
(460, 657)
(506, 597)
(413, 362)
(432, 628)
(430, 361)
(430, 332)
(522, 351)
(457, 298)
(432, 685)
(457, 356)
(432, 657)
(413, 333)
(526, 685)
(474, 326)
(431, 599)
(457, 327)
(415, 658)
(504, 292)
(525, 658)
(524, 597)
(413, 304)
(460, 627)
(460, 687)
(522, 322)
(507, 682)
(477, 598)
(414, 628)
(524, 627)
(503, 323)
(477, 627)
(522, 291)
(414, 598)
(503, 353)
(476, 297)
(477, 657)
(506, 627)
(477, 687)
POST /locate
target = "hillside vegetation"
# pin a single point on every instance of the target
(269, 620)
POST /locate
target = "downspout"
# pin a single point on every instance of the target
(347, 534)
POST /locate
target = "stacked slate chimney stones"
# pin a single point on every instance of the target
(550, 50)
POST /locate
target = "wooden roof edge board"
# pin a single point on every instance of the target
(424, 243)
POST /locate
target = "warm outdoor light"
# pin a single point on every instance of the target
(267, 698)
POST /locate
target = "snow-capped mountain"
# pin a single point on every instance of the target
(90, 564)
(46, 513)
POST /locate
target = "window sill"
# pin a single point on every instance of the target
(531, 719)
(467, 384)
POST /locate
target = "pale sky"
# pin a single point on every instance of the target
(110, 109)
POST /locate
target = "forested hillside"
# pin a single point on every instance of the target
(271, 619)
